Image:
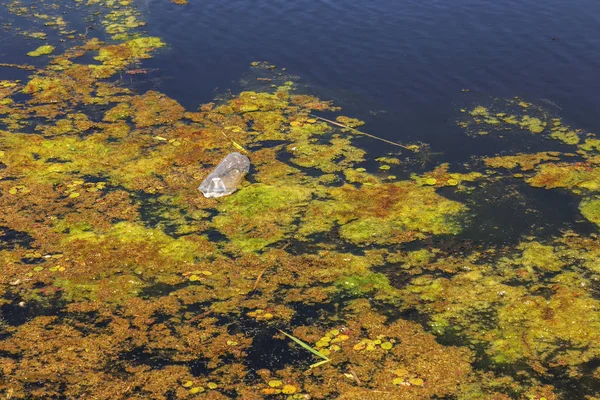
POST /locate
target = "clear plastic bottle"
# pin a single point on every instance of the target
(226, 177)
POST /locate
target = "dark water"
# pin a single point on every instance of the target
(409, 60)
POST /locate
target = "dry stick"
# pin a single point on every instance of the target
(355, 376)
(234, 143)
(259, 277)
(361, 132)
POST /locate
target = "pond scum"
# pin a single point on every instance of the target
(120, 280)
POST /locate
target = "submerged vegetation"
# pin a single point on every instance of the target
(120, 280)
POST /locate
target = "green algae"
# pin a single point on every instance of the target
(114, 57)
(568, 137)
(590, 209)
(578, 177)
(41, 51)
(364, 285)
(520, 325)
(385, 213)
(388, 160)
(349, 122)
(591, 145)
(534, 125)
(261, 214)
(525, 162)
(526, 326)
(507, 115)
(536, 255)
(337, 155)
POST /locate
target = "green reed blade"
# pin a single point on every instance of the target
(307, 347)
(319, 363)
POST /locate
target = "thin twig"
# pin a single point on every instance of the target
(200, 316)
(360, 132)
(259, 277)
(355, 376)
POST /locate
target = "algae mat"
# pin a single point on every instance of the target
(119, 280)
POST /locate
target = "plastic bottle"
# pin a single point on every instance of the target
(226, 177)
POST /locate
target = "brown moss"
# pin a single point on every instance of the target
(387, 213)
(525, 162)
(154, 108)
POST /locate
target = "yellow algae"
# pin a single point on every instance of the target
(386, 345)
(120, 111)
(591, 145)
(590, 209)
(386, 213)
(535, 125)
(288, 389)
(525, 162)
(536, 255)
(569, 137)
(35, 35)
(153, 108)
(416, 381)
(115, 57)
(254, 101)
(572, 176)
(388, 160)
(349, 122)
(41, 51)
(479, 111)
(337, 155)
(260, 214)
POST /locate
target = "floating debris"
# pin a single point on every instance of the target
(226, 177)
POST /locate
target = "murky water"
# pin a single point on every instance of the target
(420, 219)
